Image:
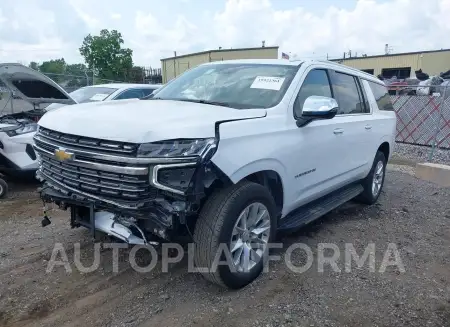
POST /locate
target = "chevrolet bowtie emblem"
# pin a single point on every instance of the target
(63, 155)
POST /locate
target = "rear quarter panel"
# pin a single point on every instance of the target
(384, 123)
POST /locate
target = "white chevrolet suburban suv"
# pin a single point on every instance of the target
(229, 153)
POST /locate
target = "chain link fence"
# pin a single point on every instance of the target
(423, 119)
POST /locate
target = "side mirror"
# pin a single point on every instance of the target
(317, 107)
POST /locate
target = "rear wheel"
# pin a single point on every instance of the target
(3, 188)
(234, 228)
(373, 183)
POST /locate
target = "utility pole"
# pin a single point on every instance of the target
(87, 77)
(387, 49)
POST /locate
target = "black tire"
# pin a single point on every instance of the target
(215, 225)
(3, 188)
(368, 196)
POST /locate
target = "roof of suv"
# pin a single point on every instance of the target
(258, 61)
(297, 62)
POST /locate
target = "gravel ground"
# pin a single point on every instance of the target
(411, 213)
(418, 153)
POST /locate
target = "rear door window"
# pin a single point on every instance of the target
(381, 95)
(348, 94)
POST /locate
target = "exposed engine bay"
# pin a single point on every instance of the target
(21, 118)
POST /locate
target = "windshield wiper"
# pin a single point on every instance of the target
(214, 103)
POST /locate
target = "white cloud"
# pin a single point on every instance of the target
(90, 20)
(55, 28)
(116, 16)
(406, 25)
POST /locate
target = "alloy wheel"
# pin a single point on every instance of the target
(250, 236)
(378, 178)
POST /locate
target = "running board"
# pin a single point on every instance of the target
(319, 207)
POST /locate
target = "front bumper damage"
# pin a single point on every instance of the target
(97, 215)
(108, 188)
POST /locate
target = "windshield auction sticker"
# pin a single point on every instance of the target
(98, 97)
(267, 83)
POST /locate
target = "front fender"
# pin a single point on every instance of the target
(256, 166)
(238, 173)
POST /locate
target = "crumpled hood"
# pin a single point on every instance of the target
(141, 121)
(31, 85)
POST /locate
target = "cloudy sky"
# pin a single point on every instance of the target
(37, 30)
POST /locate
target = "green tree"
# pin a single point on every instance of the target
(76, 75)
(135, 75)
(54, 69)
(105, 54)
(76, 69)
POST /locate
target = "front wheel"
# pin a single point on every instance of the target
(374, 181)
(232, 234)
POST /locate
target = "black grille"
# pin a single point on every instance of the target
(105, 179)
(99, 183)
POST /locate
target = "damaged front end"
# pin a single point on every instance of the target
(139, 194)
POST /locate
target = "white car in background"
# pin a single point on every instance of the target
(19, 124)
(106, 92)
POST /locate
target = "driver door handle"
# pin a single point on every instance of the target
(338, 131)
(368, 127)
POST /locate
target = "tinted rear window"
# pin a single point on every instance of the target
(382, 97)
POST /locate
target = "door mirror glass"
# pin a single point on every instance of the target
(317, 107)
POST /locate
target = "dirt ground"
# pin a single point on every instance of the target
(413, 214)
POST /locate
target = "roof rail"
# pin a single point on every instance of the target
(346, 67)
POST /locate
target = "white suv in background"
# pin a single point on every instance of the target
(229, 153)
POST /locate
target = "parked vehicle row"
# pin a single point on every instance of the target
(17, 128)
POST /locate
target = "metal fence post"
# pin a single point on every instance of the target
(433, 146)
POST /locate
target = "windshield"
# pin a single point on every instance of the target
(240, 86)
(91, 93)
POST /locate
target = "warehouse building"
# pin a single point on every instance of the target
(174, 66)
(402, 65)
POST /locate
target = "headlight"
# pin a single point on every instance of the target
(18, 130)
(177, 148)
